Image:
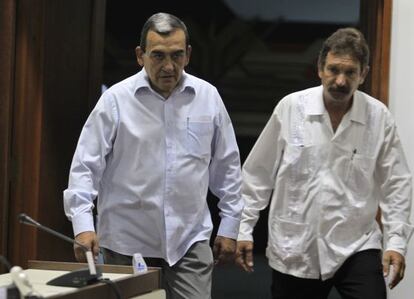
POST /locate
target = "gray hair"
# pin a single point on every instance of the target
(163, 24)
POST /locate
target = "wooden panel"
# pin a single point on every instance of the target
(27, 126)
(7, 19)
(130, 286)
(384, 37)
(68, 90)
(376, 25)
(66, 266)
(58, 73)
(96, 51)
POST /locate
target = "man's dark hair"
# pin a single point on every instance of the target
(345, 41)
(163, 24)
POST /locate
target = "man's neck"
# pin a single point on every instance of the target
(336, 111)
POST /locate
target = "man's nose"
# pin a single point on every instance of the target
(168, 64)
(340, 80)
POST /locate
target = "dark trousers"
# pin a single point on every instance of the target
(360, 277)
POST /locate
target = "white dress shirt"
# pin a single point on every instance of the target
(151, 161)
(326, 187)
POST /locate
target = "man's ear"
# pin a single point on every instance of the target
(139, 54)
(364, 75)
(320, 73)
(188, 54)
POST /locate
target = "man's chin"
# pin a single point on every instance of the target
(168, 82)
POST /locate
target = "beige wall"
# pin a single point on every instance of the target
(401, 103)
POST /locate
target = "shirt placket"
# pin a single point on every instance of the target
(169, 165)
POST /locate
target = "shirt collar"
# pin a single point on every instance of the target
(315, 105)
(356, 113)
(358, 108)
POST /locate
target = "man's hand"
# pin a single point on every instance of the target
(223, 250)
(395, 261)
(88, 239)
(244, 255)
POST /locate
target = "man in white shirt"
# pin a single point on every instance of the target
(329, 158)
(150, 150)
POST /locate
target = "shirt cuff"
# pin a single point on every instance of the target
(82, 223)
(398, 237)
(402, 252)
(244, 237)
(229, 228)
(397, 244)
(245, 232)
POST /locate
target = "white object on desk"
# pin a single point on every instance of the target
(21, 280)
(138, 263)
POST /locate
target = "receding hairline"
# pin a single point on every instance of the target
(163, 24)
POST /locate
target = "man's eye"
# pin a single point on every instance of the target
(333, 70)
(351, 73)
(177, 55)
(157, 56)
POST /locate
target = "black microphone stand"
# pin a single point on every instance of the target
(5, 263)
(76, 278)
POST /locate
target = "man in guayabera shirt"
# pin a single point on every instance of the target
(329, 157)
(151, 148)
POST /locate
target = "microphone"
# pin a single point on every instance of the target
(76, 278)
(23, 218)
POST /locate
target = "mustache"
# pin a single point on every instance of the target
(341, 89)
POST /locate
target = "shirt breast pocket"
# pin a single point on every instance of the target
(199, 134)
(301, 161)
(360, 174)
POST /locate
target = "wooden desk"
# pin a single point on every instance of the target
(139, 286)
